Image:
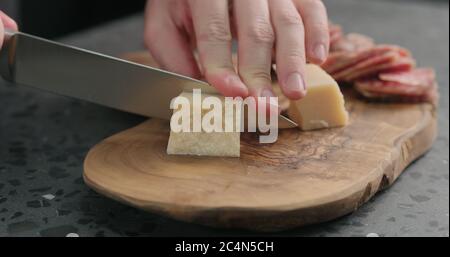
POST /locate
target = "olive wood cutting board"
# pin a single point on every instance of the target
(304, 178)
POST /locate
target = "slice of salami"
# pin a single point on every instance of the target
(336, 34)
(390, 64)
(402, 65)
(414, 82)
(333, 28)
(431, 96)
(379, 87)
(417, 85)
(367, 64)
(416, 77)
(334, 60)
(379, 72)
(360, 41)
(342, 60)
(352, 42)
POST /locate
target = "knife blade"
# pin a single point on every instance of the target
(94, 77)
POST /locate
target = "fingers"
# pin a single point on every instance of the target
(256, 39)
(2, 33)
(168, 45)
(314, 15)
(290, 48)
(8, 22)
(213, 33)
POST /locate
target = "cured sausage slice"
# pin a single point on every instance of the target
(381, 72)
(416, 77)
(431, 96)
(336, 34)
(378, 66)
(417, 85)
(342, 60)
(351, 43)
(371, 63)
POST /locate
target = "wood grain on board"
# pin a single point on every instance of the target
(304, 178)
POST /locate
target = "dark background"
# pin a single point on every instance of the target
(55, 18)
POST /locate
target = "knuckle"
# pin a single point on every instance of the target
(217, 30)
(258, 74)
(295, 58)
(318, 27)
(317, 32)
(261, 31)
(290, 18)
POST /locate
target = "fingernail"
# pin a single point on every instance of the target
(320, 52)
(295, 84)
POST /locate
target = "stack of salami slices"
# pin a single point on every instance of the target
(384, 72)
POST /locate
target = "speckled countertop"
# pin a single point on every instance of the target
(44, 138)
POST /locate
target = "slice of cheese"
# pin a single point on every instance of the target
(323, 106)
(226, 144)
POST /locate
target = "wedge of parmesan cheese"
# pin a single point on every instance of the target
(323, 106)
(219, 144)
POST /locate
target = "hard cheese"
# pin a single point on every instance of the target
(202, 143)
(323, 106)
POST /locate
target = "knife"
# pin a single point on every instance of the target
(94, 77)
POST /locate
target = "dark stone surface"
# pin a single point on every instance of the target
(44, 139)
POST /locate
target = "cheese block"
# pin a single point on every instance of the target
(225, 144)
(323, 106)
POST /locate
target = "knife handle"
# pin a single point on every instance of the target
(7, 55)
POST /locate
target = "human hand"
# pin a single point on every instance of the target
(289, 31)
(6, 23)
